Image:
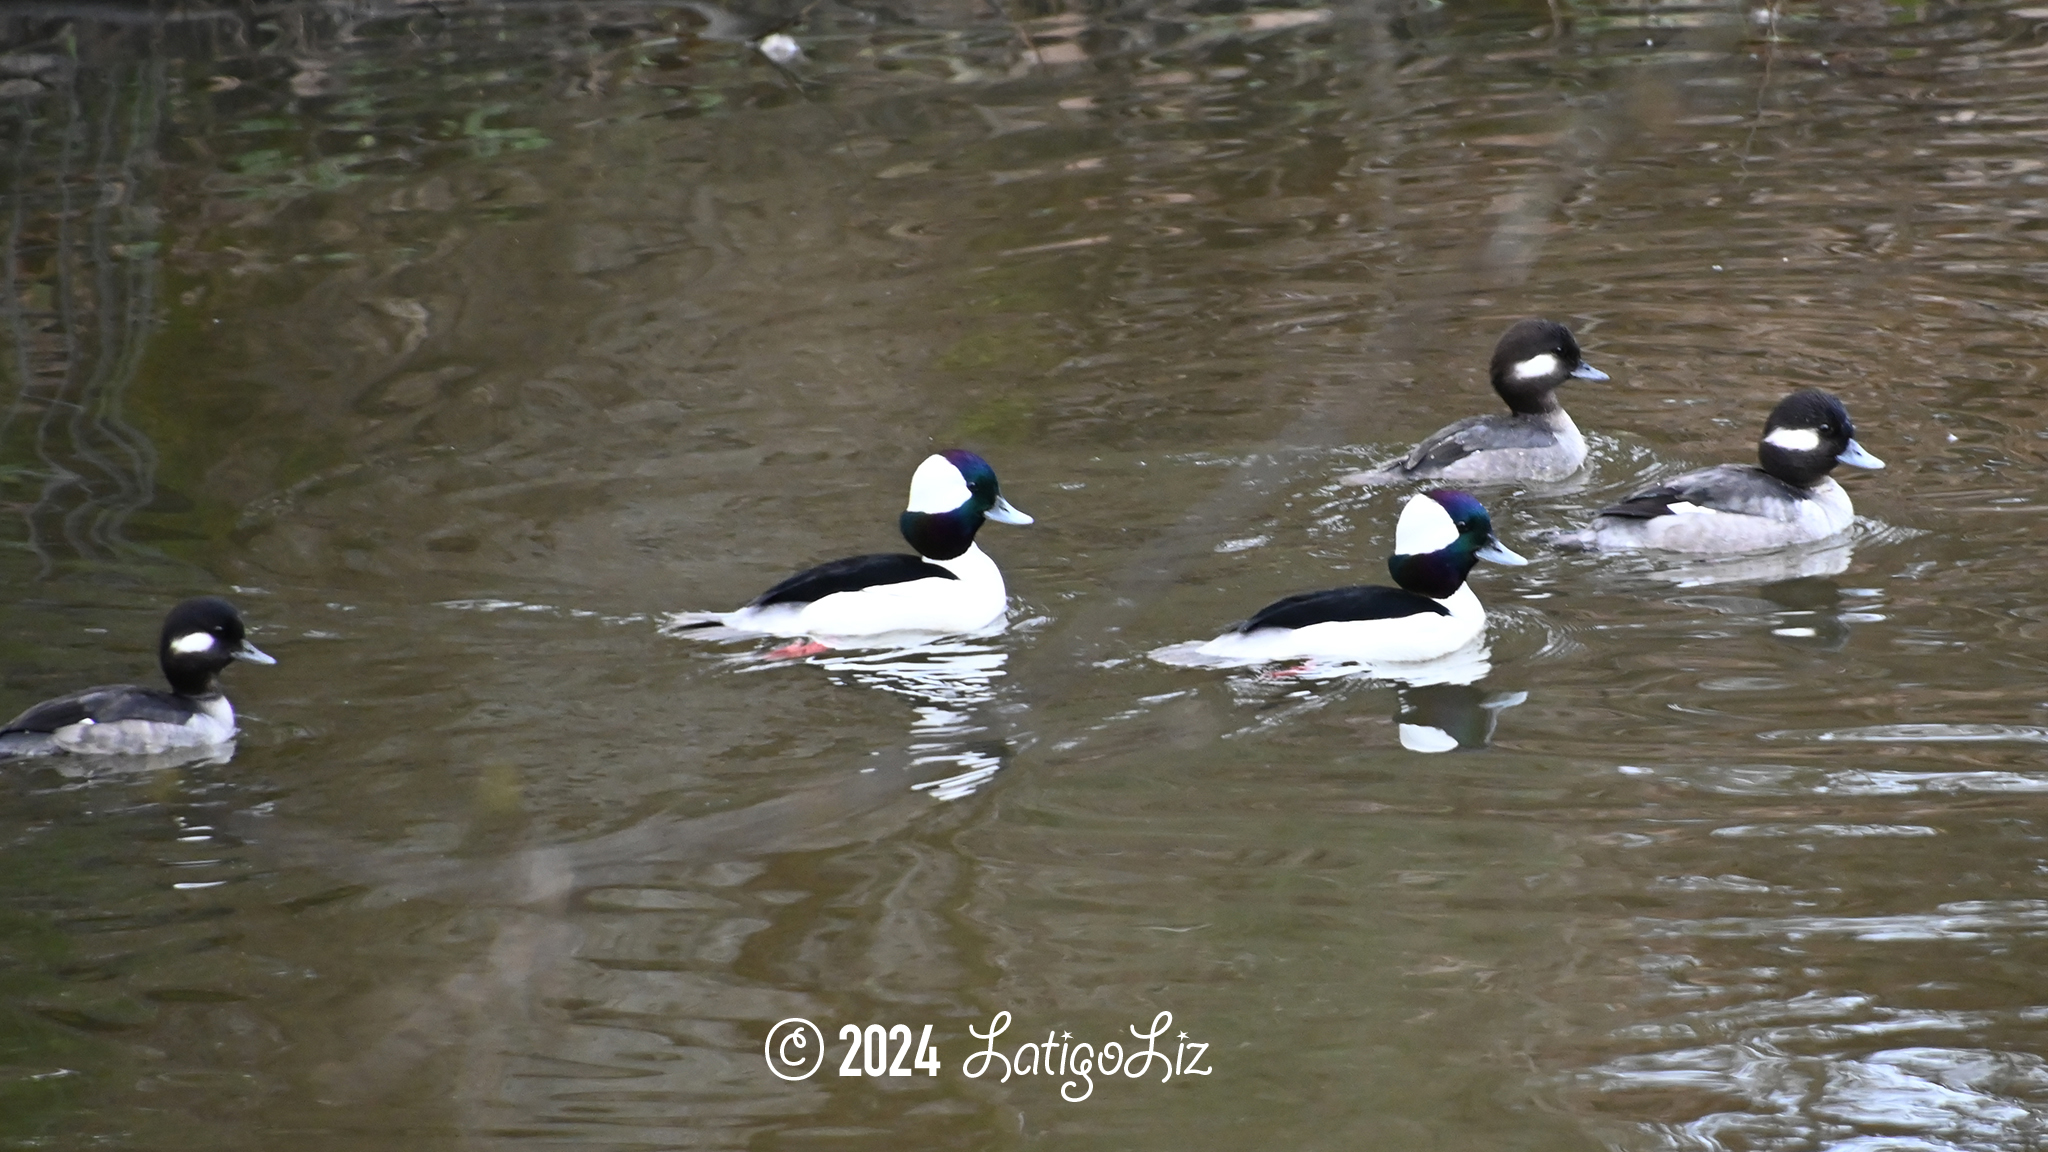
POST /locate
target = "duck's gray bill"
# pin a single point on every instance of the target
(1499, 554)
(1006, 513)
(1856, 457)
(253, 654)
(1588, 372)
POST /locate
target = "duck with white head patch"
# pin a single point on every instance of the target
(1730, 508)
(200, 637)
(1535, 440)
(1438, 539)
(950, 586)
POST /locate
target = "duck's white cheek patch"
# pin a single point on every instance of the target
(936, 486)
(1536, 367)
(1794, 439)
(192, 642)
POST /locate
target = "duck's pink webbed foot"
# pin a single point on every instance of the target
(797, 651)
(1287, 673)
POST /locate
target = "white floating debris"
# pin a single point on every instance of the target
(780, 48)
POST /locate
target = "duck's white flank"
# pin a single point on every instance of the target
(1403, 640)
(1824, 511)
(213, 723)
(973, 602)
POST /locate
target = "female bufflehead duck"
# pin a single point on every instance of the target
(949, 586)
(200, 638)
(1742, 507)
(1535, 441)
(1433, 613)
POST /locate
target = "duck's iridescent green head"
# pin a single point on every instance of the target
(951, 493)
(1438, 539)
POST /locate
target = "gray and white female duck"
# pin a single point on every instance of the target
(1786, 498)
(1534, 440)
(200, 638)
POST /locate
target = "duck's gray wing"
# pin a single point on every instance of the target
(102, 705)
(1739, 489)
(1450, 444)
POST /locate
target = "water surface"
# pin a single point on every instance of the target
(459, 343)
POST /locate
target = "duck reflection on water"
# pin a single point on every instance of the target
(1829, 558)
(1805, 612)
(1440, 706)
(1450, 717)
(949, 681)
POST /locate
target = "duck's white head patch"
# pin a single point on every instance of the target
(937, 486)
(1424, 527)
(1794, 439)
(1536, 367)
(193, 642)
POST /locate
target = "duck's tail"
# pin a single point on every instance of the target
(700, 626)
(1567, 539)
(1390, 473)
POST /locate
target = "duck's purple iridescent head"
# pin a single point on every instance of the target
(1440, 536)
(951, 493)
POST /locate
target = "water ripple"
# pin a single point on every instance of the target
(1916, 734)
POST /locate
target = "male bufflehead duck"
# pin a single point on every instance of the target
(1433, 613)
(1743, 507)
(950, 586)
(200, 637)
(1536, 440)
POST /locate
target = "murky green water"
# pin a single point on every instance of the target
(459, 343)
